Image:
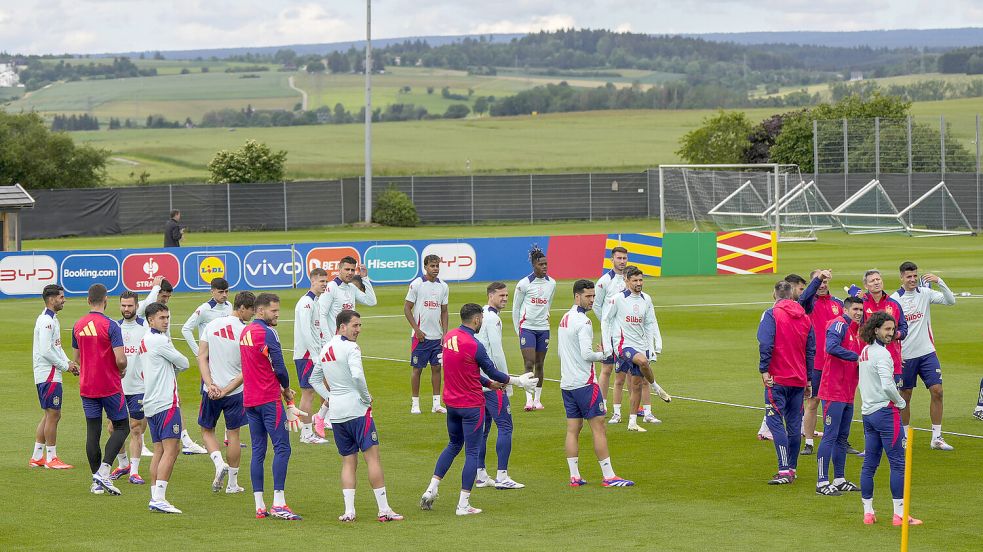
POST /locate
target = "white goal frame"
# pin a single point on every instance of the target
(925, 232)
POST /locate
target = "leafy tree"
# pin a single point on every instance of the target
(722, 138)
(481, 104)
(35, 157)
(315, 67)
(763, 137)
(457, 111)
(253, 162)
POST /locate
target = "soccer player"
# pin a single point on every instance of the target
(611, 283)
(465, 359)
(822, 309)
(98, 349)
(160, 293)
(638, 342)
(425, 309)
(308, 338)
(918, 349)
(882, 419)
(787, 348)
(220, 364)
(161, 363)
(50, 361)
(978, 411)
(531, 318)
(875, 300)
(837, 390)
(265, 381)
(581, 395)
(497, 407)
(340, 363)
(133, 328)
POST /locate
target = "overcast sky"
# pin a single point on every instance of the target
(95, 26)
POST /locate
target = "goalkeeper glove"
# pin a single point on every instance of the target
(293, 417)
(525, 381)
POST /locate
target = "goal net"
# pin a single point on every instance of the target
(936, 213)
(869, 211)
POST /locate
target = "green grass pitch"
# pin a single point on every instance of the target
(700, 474)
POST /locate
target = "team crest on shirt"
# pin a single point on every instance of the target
(836, 309)
(890, 311)
(634, 309)
(57, 400)
(176, 428)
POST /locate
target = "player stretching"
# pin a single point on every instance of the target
(425, 309)
(340, 363)
(308, 339)
(497, 407)
(581, 395)
(50, 361)
(220, 364)
(638, 341)
(822, 308)
(531, 318)
(837, 390)
(918, 349)
(161, 363)
(98, 344)
(610, 284)
(133, 328)
(882, 419)
(787, 347)
(264, 382)
(465, 359)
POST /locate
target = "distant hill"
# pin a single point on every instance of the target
(936, 39)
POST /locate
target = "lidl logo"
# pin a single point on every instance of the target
(392, 263)
(201, 267)
(210, 268)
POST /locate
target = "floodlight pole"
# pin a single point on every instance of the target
(368, 111)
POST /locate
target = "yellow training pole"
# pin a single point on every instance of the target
(907, 490)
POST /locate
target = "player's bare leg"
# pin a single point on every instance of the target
(604, 380)
(435, 383)
(637, 386)
(647, 415)
(165, 454)
(572, 449)
(539, 369)
(617, 394)
(306, 402)
(935, 411)
(221, 468)
(810, 410)
(906, 411)
(529, 365)
(136, 450)
(373, 462)
(599, 434)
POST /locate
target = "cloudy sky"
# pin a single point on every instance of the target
(94, 26)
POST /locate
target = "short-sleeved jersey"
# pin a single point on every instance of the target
(918, 314)
(608, 286)
(94, 336)
(531, 303)
(339, 296)
(465, 359)
(308, 329)
(428, 298)
(263, 370)
(224, 356)
(577, 354)
(133, 332)
(49, 358)
(161, 365)
(633, 323)
(490, 335)
(341, 365)
(205, 313)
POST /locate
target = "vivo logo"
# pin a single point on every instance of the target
(273, 268)
(267, 268)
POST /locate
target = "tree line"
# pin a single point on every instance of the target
(39, 74)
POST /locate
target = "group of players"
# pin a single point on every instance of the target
(815, 347)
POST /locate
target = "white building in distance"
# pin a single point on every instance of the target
(8, 76)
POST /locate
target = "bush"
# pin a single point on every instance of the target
(253, 162)
(394, 208)
(457, 111)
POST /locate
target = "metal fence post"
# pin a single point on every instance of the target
(648, 195)
(359, 195)
(662, 203)
(412, 190)
(472, 200)
(846, 160)
(285, 226)
(170, 197)
(877, 147)
(341, 193)
(590, 197)
(910, 167)
(531, 219)
(942, 144)
(979, 227)
(228, 205)
(815, 152)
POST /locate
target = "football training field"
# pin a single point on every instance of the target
(700, 475)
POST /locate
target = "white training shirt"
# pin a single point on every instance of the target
(577, 354)
(609, 285)
(224, 358)
(308, 337)
(208, 311)
(161, 365)
(490, 335)
(531, 304)
(339, 296)
(877, 387)
(428, 298)
(50, 359)
(918, 314)
(133, 332)
(632, 319)
(341, 365)
(152, 298)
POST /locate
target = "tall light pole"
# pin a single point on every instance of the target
(368, 111)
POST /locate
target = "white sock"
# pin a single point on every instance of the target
(502, 475)
(465, 499)
(822, 483)
(436, 401)
(186, 439)
(810, 442)
(528, 397)
(434, 483)
(868, 505)
(574, 464)
(605, 401)
(123, 459)
(161, 487)
(647, 409)
(233, 478)
(632, 420)
(306, 429)
(898, 506)
(38, 451)
(323, 412)
(349, 495)
(260, 503)
(978, 408)
(839, 481)
(416, 403)
(134, 465)
(617, 410)
(936, 432)
(52, 453)
(279, 499)
(104, 470)
(217, 460)
(482, 474)
(606, 468)
(381, 499)
(538, 394)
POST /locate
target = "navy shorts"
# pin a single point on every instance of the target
(304, 368)
(134, 405)
(816, 381)
(428, 351)
(926, 367)
(355, 435)
(114, 405)
(165, 425)
(584, 402)
(625, 363)
(49, 395)
(230, 406)
(534, 339)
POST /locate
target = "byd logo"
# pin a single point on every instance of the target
(27, 274)
(273, 268)
(458, 261)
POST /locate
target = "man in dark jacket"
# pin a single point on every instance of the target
(173, 231)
